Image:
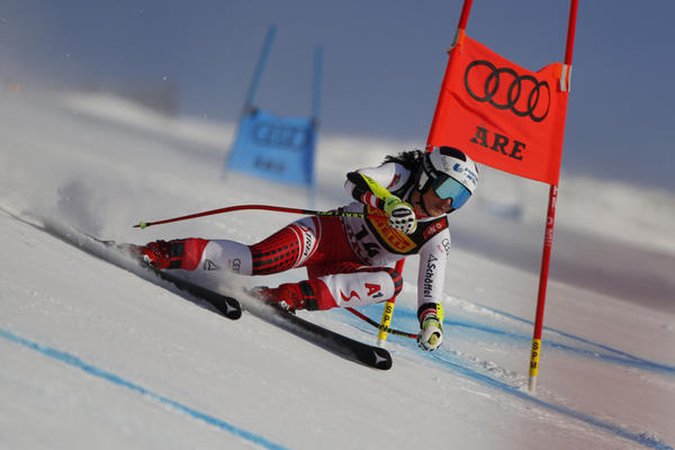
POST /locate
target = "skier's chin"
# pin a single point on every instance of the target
(420, 210)
(437, 212)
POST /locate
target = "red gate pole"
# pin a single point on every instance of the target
(459, 37)
(550, 222)
(464, 17)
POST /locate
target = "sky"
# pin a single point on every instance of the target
(383, 63)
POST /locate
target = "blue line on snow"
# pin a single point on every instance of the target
(640, 438)
(115, 379)
(663, 367)
(445, 360)
(615, 356)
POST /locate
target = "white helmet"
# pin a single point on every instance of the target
(449, 172)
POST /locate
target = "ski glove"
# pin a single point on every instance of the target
(431, 326)
(401, 214)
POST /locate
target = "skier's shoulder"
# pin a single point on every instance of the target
(434, 229)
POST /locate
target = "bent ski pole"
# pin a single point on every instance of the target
(388, 311)
(387, 329)
(335, 212)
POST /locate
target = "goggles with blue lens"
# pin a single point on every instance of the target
(447, 187)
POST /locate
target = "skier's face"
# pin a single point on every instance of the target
(431, 205)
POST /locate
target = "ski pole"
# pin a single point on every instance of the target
(334, 212)
(388, 311)
(387, 329)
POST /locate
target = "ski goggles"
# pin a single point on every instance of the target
(447, 187)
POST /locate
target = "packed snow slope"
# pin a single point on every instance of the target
(95, 356)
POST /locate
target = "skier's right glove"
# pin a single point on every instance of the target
(431, 326)
(401, 214)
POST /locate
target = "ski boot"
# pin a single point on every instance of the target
(176, 254)
(289, 296)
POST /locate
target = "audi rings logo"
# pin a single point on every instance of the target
(504, 89)
(275, 134)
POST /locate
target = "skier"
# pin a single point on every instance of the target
(349, 260)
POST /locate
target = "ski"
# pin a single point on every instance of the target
(227, 306)
(339, 344)
(230, 307)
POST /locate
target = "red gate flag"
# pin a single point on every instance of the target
(502, 115)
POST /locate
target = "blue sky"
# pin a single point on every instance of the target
(383, 62)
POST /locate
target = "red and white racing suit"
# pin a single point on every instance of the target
(349, 260)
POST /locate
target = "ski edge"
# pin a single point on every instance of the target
(339, 344)
(226, 305)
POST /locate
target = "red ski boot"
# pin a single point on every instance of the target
(177, 254)
(311, 295)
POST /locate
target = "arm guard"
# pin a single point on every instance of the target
(368, 191)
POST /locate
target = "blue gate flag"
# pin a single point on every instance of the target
(276, 148)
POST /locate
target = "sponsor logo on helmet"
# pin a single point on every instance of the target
(446, 163)
(469, 175)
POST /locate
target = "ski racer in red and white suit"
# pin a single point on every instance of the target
(350, 259)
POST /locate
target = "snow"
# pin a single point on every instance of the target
(94, 356)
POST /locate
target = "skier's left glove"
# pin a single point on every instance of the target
(431, 326)
(401, 214)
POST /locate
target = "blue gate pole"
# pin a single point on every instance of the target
(253, 87)
(316, 110)
(316, 97)
(260, 67)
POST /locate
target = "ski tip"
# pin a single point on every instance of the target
(142, 225)
(234, 313)
(382, 359)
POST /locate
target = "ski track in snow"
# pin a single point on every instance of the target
(483, 372)
(493, 376)
(458, 364)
